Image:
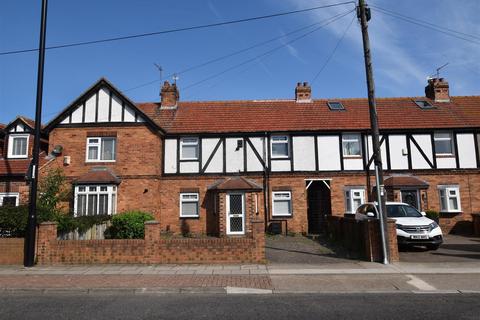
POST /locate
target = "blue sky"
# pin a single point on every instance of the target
(403, 54)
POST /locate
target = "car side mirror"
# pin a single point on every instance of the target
(423, 213)
(371, 214)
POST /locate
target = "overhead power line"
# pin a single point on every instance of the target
(333, 51)
(232, 54)
(331, 20)
(447, 31)
(203, 26)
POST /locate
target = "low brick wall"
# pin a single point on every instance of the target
(362, 239)
(11, 251)
(152, 249)
(476, 224)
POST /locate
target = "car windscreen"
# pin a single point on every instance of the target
(402, 211)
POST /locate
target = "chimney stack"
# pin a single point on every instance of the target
(303, 92)
(437, 90)
(169, 95)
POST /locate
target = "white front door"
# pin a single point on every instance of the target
(235, 213)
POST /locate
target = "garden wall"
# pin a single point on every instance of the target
(152, 249)
(11, 251)
(362, 239)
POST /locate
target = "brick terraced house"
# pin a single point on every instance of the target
(16, 145)
(211, 167)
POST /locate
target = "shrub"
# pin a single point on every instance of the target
(128, 225)
(13, 220)
(68, 223)
(432, 214)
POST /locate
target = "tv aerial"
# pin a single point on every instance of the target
(437, 73)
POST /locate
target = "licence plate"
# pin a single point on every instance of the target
(419, 236)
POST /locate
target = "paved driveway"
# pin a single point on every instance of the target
(301, 250)
(454, 249)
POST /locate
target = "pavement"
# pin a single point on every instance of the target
(296, 265)
(354, 276)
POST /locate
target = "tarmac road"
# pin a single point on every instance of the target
(219, 306)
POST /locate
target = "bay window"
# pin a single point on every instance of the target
(91, 200)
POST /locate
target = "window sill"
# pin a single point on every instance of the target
(100, 161)
(445, 155)
(190, 217)
(281, 158)
(17, 157)
(352, 157)
(281, 216)
(451, 212)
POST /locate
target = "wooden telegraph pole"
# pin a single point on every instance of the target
(364, 14)
(29, 249)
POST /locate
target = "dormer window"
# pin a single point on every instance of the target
(18, 145)
(335, 105)
(424, 104)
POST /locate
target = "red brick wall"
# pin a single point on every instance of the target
(152, 249)
(138, 162)
(11, 251)
(362, 239)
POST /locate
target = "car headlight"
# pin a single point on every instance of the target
(433, 225)
(399, 226)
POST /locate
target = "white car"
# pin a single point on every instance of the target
(413, 227)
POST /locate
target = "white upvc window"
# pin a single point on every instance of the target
(449, 198)
(354, 198)
(351, 145)
(101, 149)
(443, 143)
(91, 200)
(280, 147)
(18, 145)
(9, 199)
(281, 203)
(189, 148)
(189, 205)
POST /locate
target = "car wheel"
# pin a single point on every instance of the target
(432, 247)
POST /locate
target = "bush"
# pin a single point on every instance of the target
(13, 220)
(128, 225)
(68, 223)
(432, 214)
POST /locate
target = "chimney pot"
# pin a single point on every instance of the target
(169, 95)
(303, 92)
(438, 90)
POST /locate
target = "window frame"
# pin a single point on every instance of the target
(111, 192)
(100, 151)
(424, 104)
(349, 199)
(349, 140)
(452, 145)
(287, 142)
(8, 195)
(197, 201)
(289, 199)
(331, 105)
(186, 143)
(447, 189)
(11, 138)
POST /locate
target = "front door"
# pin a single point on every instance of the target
(410, 197)
(235, 213)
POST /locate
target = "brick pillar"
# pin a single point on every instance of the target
(152, 239)
(222, 226)
(47, 235)
(392, 240)
(258, 233)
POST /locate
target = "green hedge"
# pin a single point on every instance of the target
(432, 214)
(13, 220)
(128, 225)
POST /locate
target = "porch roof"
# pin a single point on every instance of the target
(405, 181)
(235, 183)
(98, 175)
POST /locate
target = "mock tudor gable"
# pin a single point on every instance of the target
(101, 104)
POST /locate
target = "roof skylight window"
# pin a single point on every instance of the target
(335, 105)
